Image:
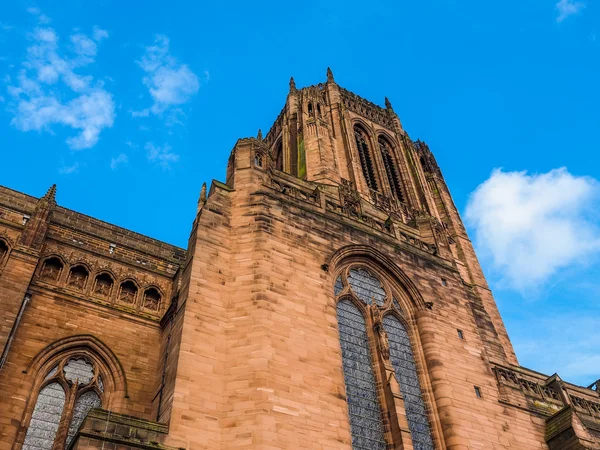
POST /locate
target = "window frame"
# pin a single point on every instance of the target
(399, 305)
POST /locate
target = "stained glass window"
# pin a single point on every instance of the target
(339, 286)
(84, 403)
(79, 369)
(361, 392)
(403, 360)
(366, 287)
(51, 415)
(45, 418)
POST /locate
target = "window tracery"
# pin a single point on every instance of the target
(78, 276)
(68, 392)
(366, 160)
(386, 336)
(391, 169)
(51, 269)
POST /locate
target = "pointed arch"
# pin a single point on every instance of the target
(413, 299)
(73, 344)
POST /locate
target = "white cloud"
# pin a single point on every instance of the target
(99, 34)
(567, 8)
(169, 82)
(50, 90)
(68, 170)
(161, 155)
(118, 161)
(531, 226)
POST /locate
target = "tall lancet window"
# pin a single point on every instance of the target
(373, 341)
(401, 356)
(391, 169)
(366, 161)
(361, 392)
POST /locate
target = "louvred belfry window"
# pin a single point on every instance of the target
(366, 161)
(391, 169)
(362, 292)
(70, 390)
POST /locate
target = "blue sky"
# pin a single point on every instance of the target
(130, 106)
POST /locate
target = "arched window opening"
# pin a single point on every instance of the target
(279, 156)
(45, 419)
(403, 361)
(364, 409)
(128, 292)
(103, 285)
(78, 276)
(311, 113)
(3, 250)
(319, 110)
(258, 159)
(364, 154)
(391, 170)
(51, 269)
(151, 299)
(69, 391)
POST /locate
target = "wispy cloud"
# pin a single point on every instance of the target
(169, 82)
(161, 155)
(68, 170)
(530, 226)
(567, 8)
(50, 90)
(118, 161)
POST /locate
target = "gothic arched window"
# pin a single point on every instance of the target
(70, 390)
(103, 285)
(128, 292)
(51, 269)
(391, 169)
(361, 290)
(151, 299)
(366, 160)
(78, 276)
(3, 250)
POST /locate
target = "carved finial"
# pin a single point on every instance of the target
(388, 104)
(51, 194)
(203, 193)
(292, 84)
(259, 137)
(329, 75)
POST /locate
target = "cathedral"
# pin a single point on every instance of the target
(329, 298)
